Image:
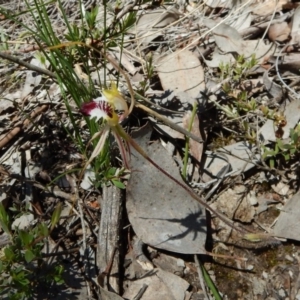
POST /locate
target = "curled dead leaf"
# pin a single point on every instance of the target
(279, 32)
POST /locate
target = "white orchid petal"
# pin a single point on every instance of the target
(98, 109)
(98, 114)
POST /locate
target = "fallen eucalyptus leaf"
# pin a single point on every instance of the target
(162, 214)
(229, 40)
(291, 113)
(288, 225)
(279, 32)
(160, 285)
(181, 71)
(106, 295)
(295, 30)
(147, 25)
(33, 78)
(272, 87)
(22, 222)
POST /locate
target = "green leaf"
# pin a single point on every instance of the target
(29, 256)
(21, 278)
(43, 230)
(129, 21)
(286, 156)
(9, 254)
(59, 280)
(210, 283)
(287, 147)
(111, 172)
(272, 163)
(26, 237)
(4, 219)
(268, 153)
(90, 17)
(59, 269)
(56, 215)
(118, 184)
(294, 136)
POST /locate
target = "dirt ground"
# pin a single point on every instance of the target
(152, 240)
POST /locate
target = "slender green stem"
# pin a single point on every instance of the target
(105, 35)
(187, 141)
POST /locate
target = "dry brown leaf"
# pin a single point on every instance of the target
(288, 225)
(229, 40)
(218, 3)
(125, 60)
(295, 27)
(160, 285)
(5, 105)
(217, 58)
(253, 86)
(267, 7)
(291, 113)
(291, 63)
(235, 205)
(240, 156)
(279, 32)
(272, 87)
(181, 71)
(242, 22)
(107, 295)
(148, 24)
(33, 78)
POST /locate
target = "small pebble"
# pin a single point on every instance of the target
(180, 263)
(289, 258)
(252, 199)
(265, 275)
(281, 293)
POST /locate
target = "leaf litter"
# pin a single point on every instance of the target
(230, 169)
(176, 222)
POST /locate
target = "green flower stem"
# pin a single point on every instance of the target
(187, 141)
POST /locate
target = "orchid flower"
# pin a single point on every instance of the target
(105, 107)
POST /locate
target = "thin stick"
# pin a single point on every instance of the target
(18, 128)
(226, 256)
(26, 65)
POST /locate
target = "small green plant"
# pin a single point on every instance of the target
(22, 266)
(238, 70)
(111, 175)
(281, 149)
(114, 175)
(149, 70)
(243, 110)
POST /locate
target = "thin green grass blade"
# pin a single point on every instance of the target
(210, 283)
